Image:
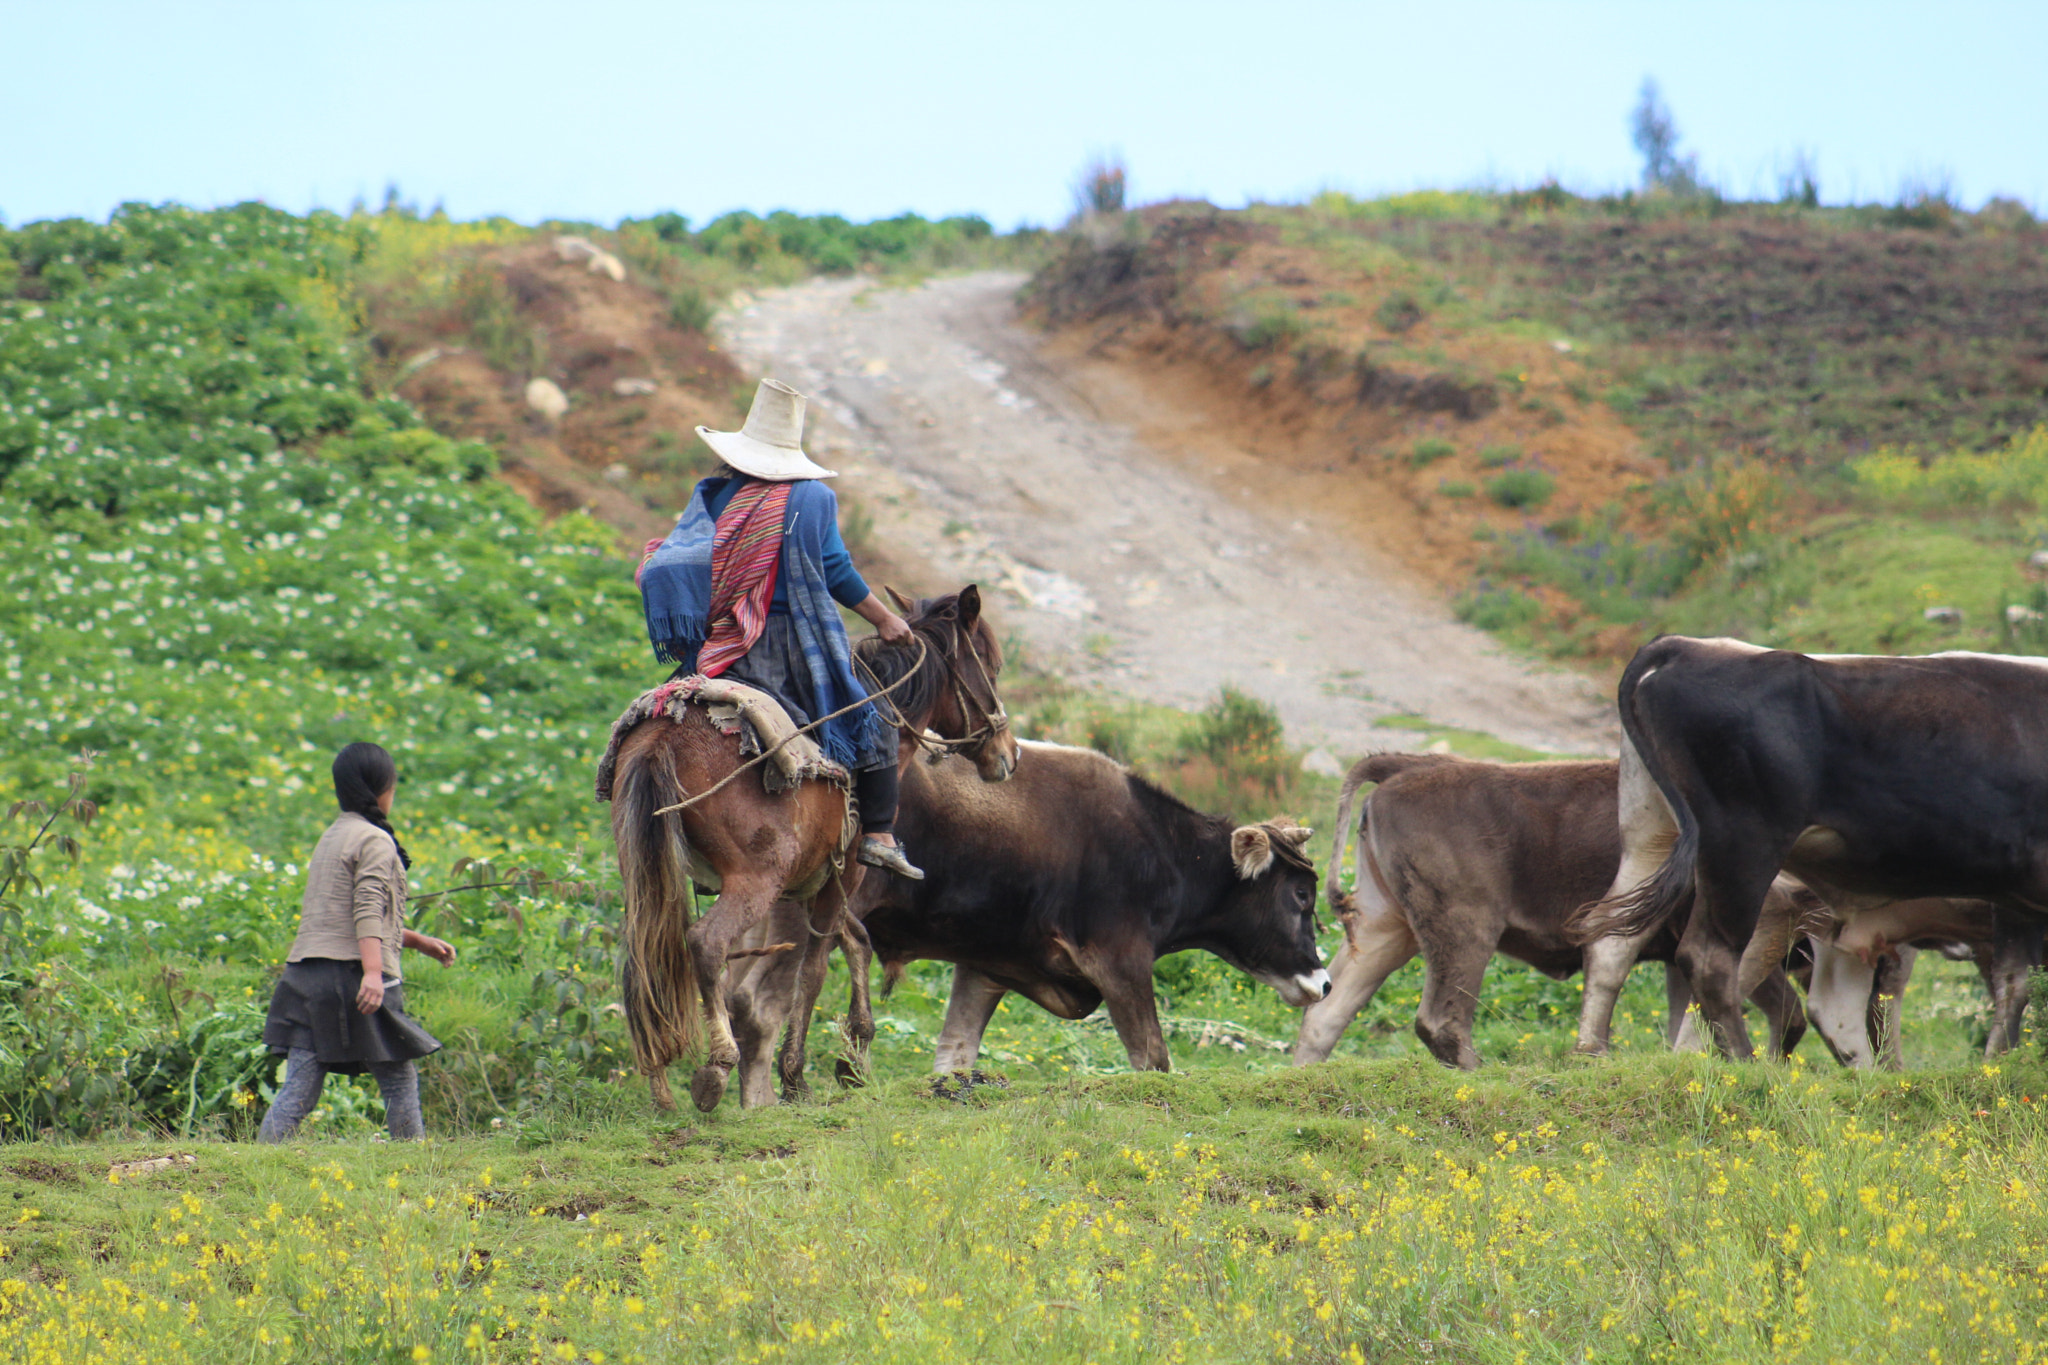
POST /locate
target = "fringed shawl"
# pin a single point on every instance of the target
(675, 591)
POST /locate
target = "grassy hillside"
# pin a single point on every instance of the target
(1590, 420)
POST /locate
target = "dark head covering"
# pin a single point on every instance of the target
(362, 773)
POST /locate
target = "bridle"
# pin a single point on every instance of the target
(988, 725)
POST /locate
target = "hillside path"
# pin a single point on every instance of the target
(1152, 570)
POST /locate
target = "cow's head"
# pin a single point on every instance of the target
(1266, 925)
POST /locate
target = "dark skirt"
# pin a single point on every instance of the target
(776, 665)
(314, 1007)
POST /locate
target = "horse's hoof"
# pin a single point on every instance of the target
(664, 1098)
(707, 1087)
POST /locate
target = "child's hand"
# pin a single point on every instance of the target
(370, 995)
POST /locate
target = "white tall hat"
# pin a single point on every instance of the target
(770, 445)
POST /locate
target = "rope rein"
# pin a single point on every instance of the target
(772, 750)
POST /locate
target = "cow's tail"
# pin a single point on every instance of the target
(1372, 768)
(657, 978)
(1669, 890)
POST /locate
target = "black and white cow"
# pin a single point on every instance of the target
(1870, 779)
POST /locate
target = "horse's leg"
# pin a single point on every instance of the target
(745, 899)
(763, 998)
(854, 1066)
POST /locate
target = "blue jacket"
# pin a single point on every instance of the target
(675, 592)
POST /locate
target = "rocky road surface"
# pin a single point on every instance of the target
(1148, 570)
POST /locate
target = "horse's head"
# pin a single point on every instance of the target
(953, 692)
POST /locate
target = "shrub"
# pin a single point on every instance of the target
(1267, 324)
(1398, 311)
(1497, 608)
(1521, 488)
(1100, 189)
(1456, 488)
(1496, 456)
(1429, 450)
(1234, 758)
(2016, 475)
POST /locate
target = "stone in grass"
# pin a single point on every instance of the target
(119, 1171)
(545, 397)
(1943, 616)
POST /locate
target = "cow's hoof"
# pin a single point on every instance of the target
(850, 1077)
(664, 1098)
(707, 1087)
(1586, 1052)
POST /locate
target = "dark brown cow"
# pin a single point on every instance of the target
(1870, 779)
(1067, 882)
(1460, 860)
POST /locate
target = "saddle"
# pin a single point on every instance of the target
(733, 708)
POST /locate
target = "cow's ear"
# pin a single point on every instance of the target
(1251, 849)
(903, 604)
(970, 606)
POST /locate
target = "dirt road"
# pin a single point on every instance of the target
(1157, 570)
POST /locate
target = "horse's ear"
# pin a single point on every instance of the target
(970, 606)
(903, 604)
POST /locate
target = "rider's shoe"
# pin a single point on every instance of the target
(888, 857)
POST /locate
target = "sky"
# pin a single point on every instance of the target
(600, 111)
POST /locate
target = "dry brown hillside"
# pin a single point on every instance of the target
(465, 354)
(1358, 398)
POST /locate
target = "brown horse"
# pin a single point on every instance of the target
(760, 850)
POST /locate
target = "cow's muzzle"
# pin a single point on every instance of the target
(1303, 988)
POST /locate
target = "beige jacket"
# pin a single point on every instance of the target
(355, 889)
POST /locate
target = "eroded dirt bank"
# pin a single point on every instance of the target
(1130, 542)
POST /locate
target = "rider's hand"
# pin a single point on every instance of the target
(370, 995)
(893, 629)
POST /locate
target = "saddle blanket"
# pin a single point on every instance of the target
(734, 708)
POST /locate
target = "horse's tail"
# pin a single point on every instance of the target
(1371, 768)
(657, 978)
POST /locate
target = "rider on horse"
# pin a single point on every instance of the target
(745, 588)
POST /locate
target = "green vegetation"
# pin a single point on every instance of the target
(1521, 488)
(225, 553)
(1429, 450)
(1656, 1209)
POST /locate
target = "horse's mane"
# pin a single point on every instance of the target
(937, 624)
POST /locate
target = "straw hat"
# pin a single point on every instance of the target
(770, 445)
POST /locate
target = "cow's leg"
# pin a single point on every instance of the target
(1729, 891)
(1608, 961)
(1784, 1015)
(1679, 1030)
(1881, 1014)
(1838, 1002)
(1377, 942)
(969, 1006)
(2005, 964)
(1125, 980)
(739, 906)
(1450, 999)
